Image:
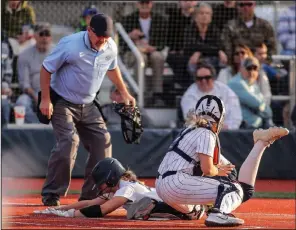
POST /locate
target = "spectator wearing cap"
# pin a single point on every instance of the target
(148, 31)
(241, 51)
(28, 65)
(86, 17)
(256, 112)
(205, 84)
(113, 119)
(248, 29)
(14, 15)
(72, 74)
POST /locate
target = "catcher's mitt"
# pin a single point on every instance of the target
(131, 125)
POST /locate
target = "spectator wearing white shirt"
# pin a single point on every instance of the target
(204, 85)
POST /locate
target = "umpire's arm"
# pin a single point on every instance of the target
(116, 77)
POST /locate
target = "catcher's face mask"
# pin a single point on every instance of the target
(211, 108)
(131, 125)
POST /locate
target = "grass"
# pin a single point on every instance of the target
(273, 195)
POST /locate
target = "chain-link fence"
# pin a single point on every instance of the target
(176, 46)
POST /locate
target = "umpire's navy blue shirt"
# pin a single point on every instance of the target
(77, 69)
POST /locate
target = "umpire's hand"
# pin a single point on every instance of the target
(128, 99)
(46, 108)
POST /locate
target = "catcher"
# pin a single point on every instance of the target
(118, 187)
(192, 172)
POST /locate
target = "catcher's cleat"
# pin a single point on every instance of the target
(141, 209)
(269, 135)
(197, 213)
(223, 220)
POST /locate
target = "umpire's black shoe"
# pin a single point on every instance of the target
(51, 200)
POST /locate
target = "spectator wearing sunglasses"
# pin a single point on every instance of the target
(249, 29)
(86, 16)
(256, 112)
(241, 52)
(28, 65)
(205, 84)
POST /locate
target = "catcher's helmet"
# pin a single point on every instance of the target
(212, 109)
(109, 171)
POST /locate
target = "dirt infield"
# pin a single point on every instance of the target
(257, 213)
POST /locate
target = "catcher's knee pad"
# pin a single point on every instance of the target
(248, 191)
(229, 197)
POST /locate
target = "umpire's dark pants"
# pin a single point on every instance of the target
(72, 123)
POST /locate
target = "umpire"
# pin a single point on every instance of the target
(72, 74)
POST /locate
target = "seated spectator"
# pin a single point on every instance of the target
(224, 12)
(205, 84)
(179, 18)
(241, 52)
(249, 29)
(6, 78)
(26, 38)
(113, 119)
(29, 64)
(256, 112)
(202, 40)
(14, 15)
(86, 17)
(271, 72)
(287, 30)
(147, 30)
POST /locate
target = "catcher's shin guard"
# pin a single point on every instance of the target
(131, 124)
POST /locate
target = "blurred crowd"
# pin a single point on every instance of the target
(223, 49)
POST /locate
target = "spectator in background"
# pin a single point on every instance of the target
(6, 78)
(14, 15)
(29, 64)
(286, 32)
(113, 119)
(26, 38)
(205, 84)
(86, 17)
(178, 19)
(224, 12)
(249, 29)
(261, 55)
(148, 31)
(256, 112)
(241, 52)
(202, 40)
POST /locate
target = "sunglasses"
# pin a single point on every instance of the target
(45, 33)
(250, 68)
(207, 78)
(240, 52)
(249, 4)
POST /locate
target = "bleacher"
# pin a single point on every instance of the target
(64, 16)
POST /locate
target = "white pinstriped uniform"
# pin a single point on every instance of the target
(182, 190)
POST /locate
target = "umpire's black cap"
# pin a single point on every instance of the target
(102, 25)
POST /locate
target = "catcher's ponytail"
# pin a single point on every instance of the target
(195, 121)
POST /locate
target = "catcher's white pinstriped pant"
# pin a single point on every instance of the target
(182, 191)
